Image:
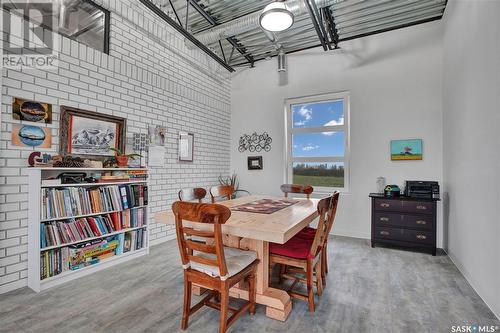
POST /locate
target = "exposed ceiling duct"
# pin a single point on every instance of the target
(251, 21)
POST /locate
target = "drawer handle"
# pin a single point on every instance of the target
(421, 207)
(421, 222)
(385, 233)
(421, 237)
(384, 219)
(384, 205)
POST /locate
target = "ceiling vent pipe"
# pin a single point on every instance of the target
(251, 21)
(281, 61)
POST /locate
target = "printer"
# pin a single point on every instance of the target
(422, 189)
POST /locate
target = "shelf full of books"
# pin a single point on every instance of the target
(84, 227)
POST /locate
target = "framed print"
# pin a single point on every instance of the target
(254, 162)
(186, 146)
(90, 134)
(31, 136)
(406, 150)
(37, 112)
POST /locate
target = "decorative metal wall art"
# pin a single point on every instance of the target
(255, 142)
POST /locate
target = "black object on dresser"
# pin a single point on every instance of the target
(404, 221)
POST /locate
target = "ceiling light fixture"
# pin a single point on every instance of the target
(276, 17)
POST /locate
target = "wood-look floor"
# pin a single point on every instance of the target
(369, 290)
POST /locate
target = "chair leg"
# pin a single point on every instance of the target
(251, 293)
(187, 303)
(326, 257)
(224, 307)
(323, 266)
(282, 271)
(309, 277)
(319, 279)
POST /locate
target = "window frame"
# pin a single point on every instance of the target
(290, 130)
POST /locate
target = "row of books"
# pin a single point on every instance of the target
(74, 230)
(73, 201)
(54, 262)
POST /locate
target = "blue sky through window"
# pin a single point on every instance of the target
(318, 114)
(319, 144)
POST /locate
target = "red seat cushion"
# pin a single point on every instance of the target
(295, 248)
(306, 233)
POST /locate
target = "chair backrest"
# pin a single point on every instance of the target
(327, 209)
(212, 214)
(191, 194)
(295, 188)
(225, 191)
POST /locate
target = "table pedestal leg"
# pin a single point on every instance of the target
(278, 302)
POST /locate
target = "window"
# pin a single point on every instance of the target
(80, 20)
(318, 141)
(85, 22)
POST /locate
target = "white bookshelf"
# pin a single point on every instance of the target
(36, 175)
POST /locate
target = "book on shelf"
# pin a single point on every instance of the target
(75, 201)
(74, 257)
(74, 230)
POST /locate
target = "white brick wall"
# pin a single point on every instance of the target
(150, 78)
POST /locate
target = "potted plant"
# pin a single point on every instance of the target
(121, 158)
(232, 181)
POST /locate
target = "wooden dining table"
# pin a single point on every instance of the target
(253, 231)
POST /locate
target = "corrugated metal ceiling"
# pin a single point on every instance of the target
(353, 19)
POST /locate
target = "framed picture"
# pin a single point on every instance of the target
(31, 136)
(406, 150)
(37, 112)
(186, 146)
(90, 134)
(254, 162)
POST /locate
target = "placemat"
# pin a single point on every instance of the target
(264, 206)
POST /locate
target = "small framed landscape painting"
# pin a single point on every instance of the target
(90, 134)
(406, 150)
(31, 111)
(31, 136)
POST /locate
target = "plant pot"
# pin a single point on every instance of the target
(122, 161)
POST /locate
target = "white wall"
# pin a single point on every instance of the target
(394, 80)
(150, 78)
(472, 142)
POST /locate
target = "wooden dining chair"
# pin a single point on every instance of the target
(306, 254)
(221, 191)
(212, 265)
(295, 188)
(309, 233)
(192, 194)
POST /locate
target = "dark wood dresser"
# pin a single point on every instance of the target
(404, 221)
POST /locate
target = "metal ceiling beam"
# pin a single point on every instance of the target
(316, 26)
(332, 29)
(233, 41)
(352, 37)
(185, 33)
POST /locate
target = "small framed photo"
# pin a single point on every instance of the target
(186, 146)
(406, 150)
(254, 162)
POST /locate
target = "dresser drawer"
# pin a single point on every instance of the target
(405, 235)
(383, 219)
(420, 207)
(419, 236)
(388, 205)
(389, 233)
(425, 222)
